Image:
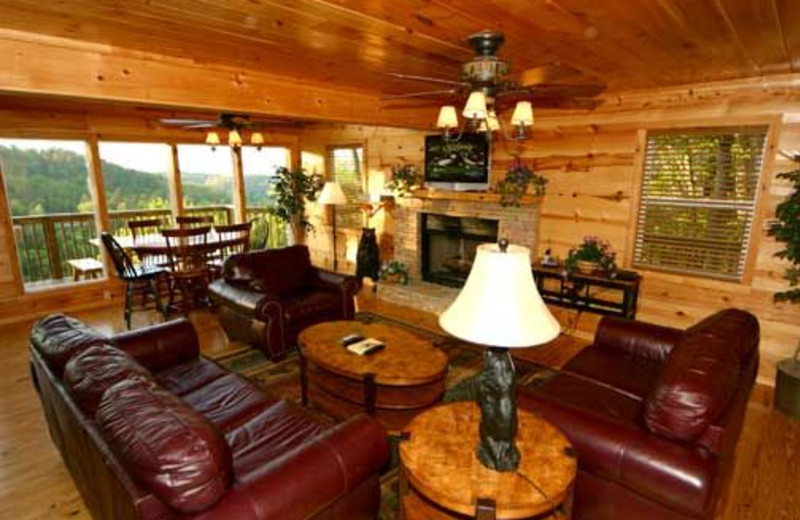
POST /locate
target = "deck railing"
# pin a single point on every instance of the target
(46, 243)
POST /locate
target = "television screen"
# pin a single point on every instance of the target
(463, 161)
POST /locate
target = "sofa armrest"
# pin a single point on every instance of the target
(678, 475)
(641, 339)
(161, 346)
(242, 299)
(348, 284)
(302, 482)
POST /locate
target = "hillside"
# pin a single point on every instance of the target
(55, 181)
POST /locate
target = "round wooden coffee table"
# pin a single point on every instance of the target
(393, 385)
(442, 478)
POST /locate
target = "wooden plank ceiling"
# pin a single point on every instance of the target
(627, 44)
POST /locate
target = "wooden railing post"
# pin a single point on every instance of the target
(53, 255)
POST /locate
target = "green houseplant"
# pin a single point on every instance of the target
(515, 185)
(787, 231)
(291, 189)
(405, 179)
(591, 254)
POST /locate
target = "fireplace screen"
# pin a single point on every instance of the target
(448, 246)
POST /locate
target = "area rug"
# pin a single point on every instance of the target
(282, 380)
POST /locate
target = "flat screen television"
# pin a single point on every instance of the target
(462, 165)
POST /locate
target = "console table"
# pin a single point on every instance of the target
(618, 295)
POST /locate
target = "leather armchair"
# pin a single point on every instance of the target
(654, 414)
(266, 298)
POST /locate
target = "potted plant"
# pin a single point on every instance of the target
(591, 255)
(515, 185)
(405, 179)
(787, 231)
(292, 188)
(394, 272)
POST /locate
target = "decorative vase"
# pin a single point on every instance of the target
(586, 266)
(368, 258)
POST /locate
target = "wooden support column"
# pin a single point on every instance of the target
(175, 187)
(98, 191)
(239, 198)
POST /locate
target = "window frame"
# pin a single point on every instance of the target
(363, 174)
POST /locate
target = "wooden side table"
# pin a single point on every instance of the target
(441, 477)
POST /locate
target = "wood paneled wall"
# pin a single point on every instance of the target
(592, 162)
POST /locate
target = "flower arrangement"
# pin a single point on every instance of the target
(394, 271)
(591, 251)
(405, 179)
(515, 185)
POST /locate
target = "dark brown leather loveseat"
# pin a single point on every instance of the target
(265, 298)
(149, 429)
(654, 414)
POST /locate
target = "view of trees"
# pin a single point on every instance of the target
(55, 181)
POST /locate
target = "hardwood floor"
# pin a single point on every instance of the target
(34, 484)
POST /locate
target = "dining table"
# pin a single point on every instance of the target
(156, 244)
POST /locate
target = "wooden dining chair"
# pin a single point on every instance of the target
(140, 281)
(187, 253)
(230, 239)
(142, 230)
(194, 221)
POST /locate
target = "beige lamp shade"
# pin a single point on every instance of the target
(499, 305)
(492, 122)
(476, 106)
(212, 138)
(257, 138)
(447, 117)
(234, 138)
(523, 114)
(332, 194)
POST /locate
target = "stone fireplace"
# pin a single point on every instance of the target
(474, 217)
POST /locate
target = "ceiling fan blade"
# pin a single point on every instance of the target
(588, 90)
(207, 124)
(388, 97)
(428, 79)
(184, 122)
(552, 73)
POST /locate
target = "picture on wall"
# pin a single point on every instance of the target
(465, 160)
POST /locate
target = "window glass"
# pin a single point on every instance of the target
(346, 167)
(207, 180)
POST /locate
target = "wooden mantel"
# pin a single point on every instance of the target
(472, 196)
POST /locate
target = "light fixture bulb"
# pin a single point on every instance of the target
(523, 114)
(476, 106)
(234, 139)
(447, 117)
(212, 138)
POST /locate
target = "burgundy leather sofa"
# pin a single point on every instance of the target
(265, 298)
(149, 429)
(654, 414)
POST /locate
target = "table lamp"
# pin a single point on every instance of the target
(332, 195)
(499, 307)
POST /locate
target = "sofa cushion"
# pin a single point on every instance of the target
(165, 445)
(739, 328)
(187, 377)
(273, 432)
(90, 373)
(628, 373)
(310, 305)
(228, 401)
(59, 337)
(274, 271)
(696, 383)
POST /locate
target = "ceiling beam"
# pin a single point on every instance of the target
(45, 65)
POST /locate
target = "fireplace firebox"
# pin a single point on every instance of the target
(448, 246)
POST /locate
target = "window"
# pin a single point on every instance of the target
(346, 167)
(52, 209)
(697, 200)
(136, 181)
(259, 168)
(207, 181)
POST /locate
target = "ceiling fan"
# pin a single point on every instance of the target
(491, 87)
(233, 123)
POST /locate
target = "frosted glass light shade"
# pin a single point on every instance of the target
(212, 138)
(257, 138)
(476, 106)
(447, 117)
(499, 305)
(332, 194)
(234, 139)
(523, 114)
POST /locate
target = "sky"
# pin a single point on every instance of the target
(154, 157)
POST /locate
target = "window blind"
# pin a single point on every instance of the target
(345, 166)
(698, 199)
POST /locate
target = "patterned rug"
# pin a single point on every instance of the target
(282, 380)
